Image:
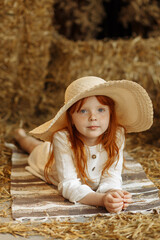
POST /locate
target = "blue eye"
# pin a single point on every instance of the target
(83, 111)
(101, 110)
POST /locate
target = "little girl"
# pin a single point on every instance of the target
(82, 148)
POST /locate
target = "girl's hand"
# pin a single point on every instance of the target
(116, 200)
(127, 199)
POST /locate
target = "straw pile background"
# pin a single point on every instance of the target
(143, 17)
(37, 63)
(82, 18)
(25, 32)
(46, 44)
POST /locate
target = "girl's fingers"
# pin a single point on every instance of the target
(125, 206)
(128, 200)
(116, 200)
(113, 198)
(114, 210)
(115, 205)
(127, 197)
(118, 194)
(127, 194)
(112, 204)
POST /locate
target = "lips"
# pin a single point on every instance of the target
(93, 127)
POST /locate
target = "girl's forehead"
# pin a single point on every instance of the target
(87, 99)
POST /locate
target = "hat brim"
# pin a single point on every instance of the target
(133, 106)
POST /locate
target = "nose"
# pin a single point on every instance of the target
(92, 117)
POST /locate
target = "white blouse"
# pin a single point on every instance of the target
(63, 173)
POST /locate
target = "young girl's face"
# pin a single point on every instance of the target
(91, 120)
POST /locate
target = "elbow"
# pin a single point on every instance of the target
(69, 190)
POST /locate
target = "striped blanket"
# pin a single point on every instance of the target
(33, 199)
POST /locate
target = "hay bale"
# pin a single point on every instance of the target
(143, 16)
(26, 30)
(90, 19)
(9, 45)
(82, 18)
(28, 86)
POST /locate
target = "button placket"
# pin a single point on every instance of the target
(93, 157)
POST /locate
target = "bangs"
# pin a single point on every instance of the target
(105, 100)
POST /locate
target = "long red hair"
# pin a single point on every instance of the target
(108, 140)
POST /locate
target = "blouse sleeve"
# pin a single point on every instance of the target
(113, 179)
(70, 185)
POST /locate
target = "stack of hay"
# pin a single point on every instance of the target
(25, 33)
(36, 63)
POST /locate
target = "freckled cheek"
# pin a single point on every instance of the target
(82, 121)
(105, 121)
(79, 121)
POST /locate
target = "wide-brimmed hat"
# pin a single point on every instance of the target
(133, 106)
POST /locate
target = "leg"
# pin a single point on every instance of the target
(26, 142)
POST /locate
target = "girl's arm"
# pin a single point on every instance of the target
(113, 200)
(95, 199)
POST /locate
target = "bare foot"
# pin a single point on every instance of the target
(26, 142)
(19, 134)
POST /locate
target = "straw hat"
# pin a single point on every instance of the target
(133, 106)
